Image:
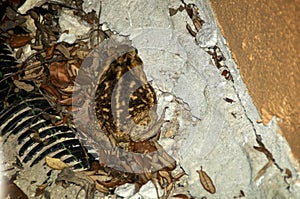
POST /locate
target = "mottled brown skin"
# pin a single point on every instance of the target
(125, 101)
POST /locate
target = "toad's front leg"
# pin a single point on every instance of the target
(140, 133)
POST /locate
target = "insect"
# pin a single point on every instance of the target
(228, 100)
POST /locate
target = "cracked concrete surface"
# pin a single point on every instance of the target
(204, 130)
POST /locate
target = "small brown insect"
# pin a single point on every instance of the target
(206, 181)
(228, 100)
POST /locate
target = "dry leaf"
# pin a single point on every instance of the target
(66, 102)
(101, 188)
(101, 178)
(19, 41)
(59, 75)
(34, 71)
(55, 163)
(166, 175)
(263, 170)
(40, 189)
(51, 90)
(206, 181)
(172, 11)
(23, 85)
(288, 173)
(61, 48)
(82, 54)
(179, 175)
(50, 51)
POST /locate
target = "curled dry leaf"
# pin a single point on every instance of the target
(166, 175)
(52, 91)
(179, 175)
(101, 188)
(206, 181)
(34, 71)
(55, 163)
(73, 69)
(69, 89)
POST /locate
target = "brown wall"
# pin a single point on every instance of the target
(264, 37)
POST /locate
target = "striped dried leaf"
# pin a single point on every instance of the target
(206, 181)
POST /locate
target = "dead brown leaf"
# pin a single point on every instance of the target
(52, 91)
(49, 52)
(55, 163)
(17, 41)
(23, 85)
(206, 181)
(40, 189)
(288, 173)
(61, 48)
(66, 102)
(59, 74)
(263, 170)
